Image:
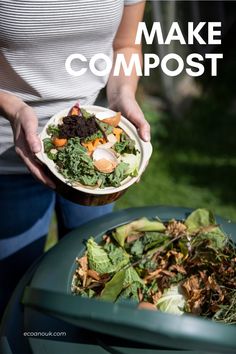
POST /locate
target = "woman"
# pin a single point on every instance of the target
(36, 37)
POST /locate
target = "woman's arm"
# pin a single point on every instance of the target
(24, 126)
(121, 89)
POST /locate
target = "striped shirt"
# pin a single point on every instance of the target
(36, 37)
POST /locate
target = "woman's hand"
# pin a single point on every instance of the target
(126, 103)
(24, 125)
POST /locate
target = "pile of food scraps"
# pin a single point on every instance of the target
(92, 152)
(186, 266)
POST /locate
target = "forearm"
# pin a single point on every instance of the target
(123, 84)
(10, 105)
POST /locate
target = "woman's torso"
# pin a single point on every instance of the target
(36, 37)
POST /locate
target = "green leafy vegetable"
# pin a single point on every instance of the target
(124, 284)
(137, 248)
(118, 175)
(133, 163)
(117, 256)
(202, 222)
(131, 276)
(98, 259)
(215, 239)
(105, 128)
(48, 145)
(172, 301)
(86, 114)
(53, 130)
(141, 225)
(52, 154)
(94, 136)
(153, 239)
(114, 287)
(106, 260)
(131, 292)
(126, 145)
(198, 219)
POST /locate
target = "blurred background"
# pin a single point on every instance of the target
(193, 121)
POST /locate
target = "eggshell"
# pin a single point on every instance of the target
(104, 154)
(105, 166)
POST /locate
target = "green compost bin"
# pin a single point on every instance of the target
(120, 327)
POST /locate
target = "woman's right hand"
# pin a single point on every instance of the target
(24, 125)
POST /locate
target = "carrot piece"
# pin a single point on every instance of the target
(98, 141)
(88, 146)
(91, 145)
(59, 142)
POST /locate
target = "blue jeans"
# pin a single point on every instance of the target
(26, 208)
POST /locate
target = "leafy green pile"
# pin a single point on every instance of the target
(75, 165)
(177, 266)
(126, 145)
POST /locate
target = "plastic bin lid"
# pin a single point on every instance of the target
(49, 292)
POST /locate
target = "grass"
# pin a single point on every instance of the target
(182, 172)
(194, 158)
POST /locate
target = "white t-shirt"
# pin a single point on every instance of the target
(36, 37)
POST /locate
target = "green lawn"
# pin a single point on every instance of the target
(187, 167)
(194, 158)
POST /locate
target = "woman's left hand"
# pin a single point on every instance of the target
(126, 103)
(129, 108)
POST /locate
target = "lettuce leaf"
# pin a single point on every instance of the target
(98, 259)
(118, 175)
(141, 225)
(105, 261)
(114, 287)
(154, 239)
(199, 218)
(132, 283)
(126, 145)
(133, 163)
(172, 301)
(131, 276)
(131, 292)
(124, 284)
(94, 136)
(118, 257)
(105, 128)
(203, 222)
(137, 248)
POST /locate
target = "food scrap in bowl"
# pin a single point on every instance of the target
(92, 150)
